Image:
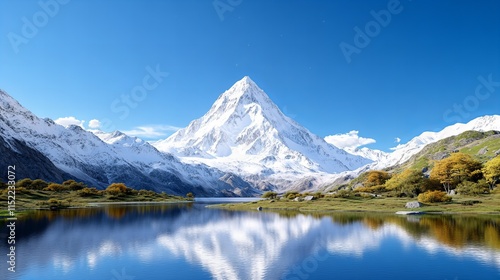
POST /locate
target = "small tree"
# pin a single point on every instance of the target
(143, 192)
(376, 178)
(190, 195)
(53, 187)
(491, 172)
(88, 192)
(69, 182)
(73, 185)
(319, 195)
(454, 169)
(116, 189)
(24, 183)
(38, 184)
(409, 182)
(472, 188)
(433, 196)
(270, 195)
(291, 194)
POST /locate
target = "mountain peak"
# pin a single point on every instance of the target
(246, 89)
(245, 133)
(246, 80)
(244, 98)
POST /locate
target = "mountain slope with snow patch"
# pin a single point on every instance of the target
(102, 158)
(404, 152)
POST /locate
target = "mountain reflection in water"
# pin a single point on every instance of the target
(189, 241)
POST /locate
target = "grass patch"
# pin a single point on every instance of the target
(484, 204)
(39, 199)
(492, 145)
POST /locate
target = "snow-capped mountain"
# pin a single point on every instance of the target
(403, 152)
(73, 153)
(143, 154)
(245, 133)
(243, 145)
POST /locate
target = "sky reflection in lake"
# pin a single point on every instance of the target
(193, 242)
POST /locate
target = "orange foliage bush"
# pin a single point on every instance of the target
(433, 196)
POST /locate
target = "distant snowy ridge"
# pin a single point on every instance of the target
(372, 154)
(403, 152)
(100, 158)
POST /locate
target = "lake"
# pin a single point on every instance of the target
(190, 241)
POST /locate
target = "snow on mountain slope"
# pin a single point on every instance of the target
(131, 148)
(111, 157)
(372, 154)
(146, 156)
(244, 132)
(403, 152)
(64, 146)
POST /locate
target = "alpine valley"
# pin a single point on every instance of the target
(242, 146)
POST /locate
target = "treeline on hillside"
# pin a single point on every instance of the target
(459, 172)
(81, 189)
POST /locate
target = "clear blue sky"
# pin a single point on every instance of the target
(84, 55)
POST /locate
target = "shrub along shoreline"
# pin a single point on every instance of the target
(459, 205)
(352, 202)
(456, 184)
(38, 194)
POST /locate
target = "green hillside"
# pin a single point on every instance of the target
(482, 146)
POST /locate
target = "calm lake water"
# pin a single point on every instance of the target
(190, 241)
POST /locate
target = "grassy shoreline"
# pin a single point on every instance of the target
(29, 200)
(484, 204)
(43, 200)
